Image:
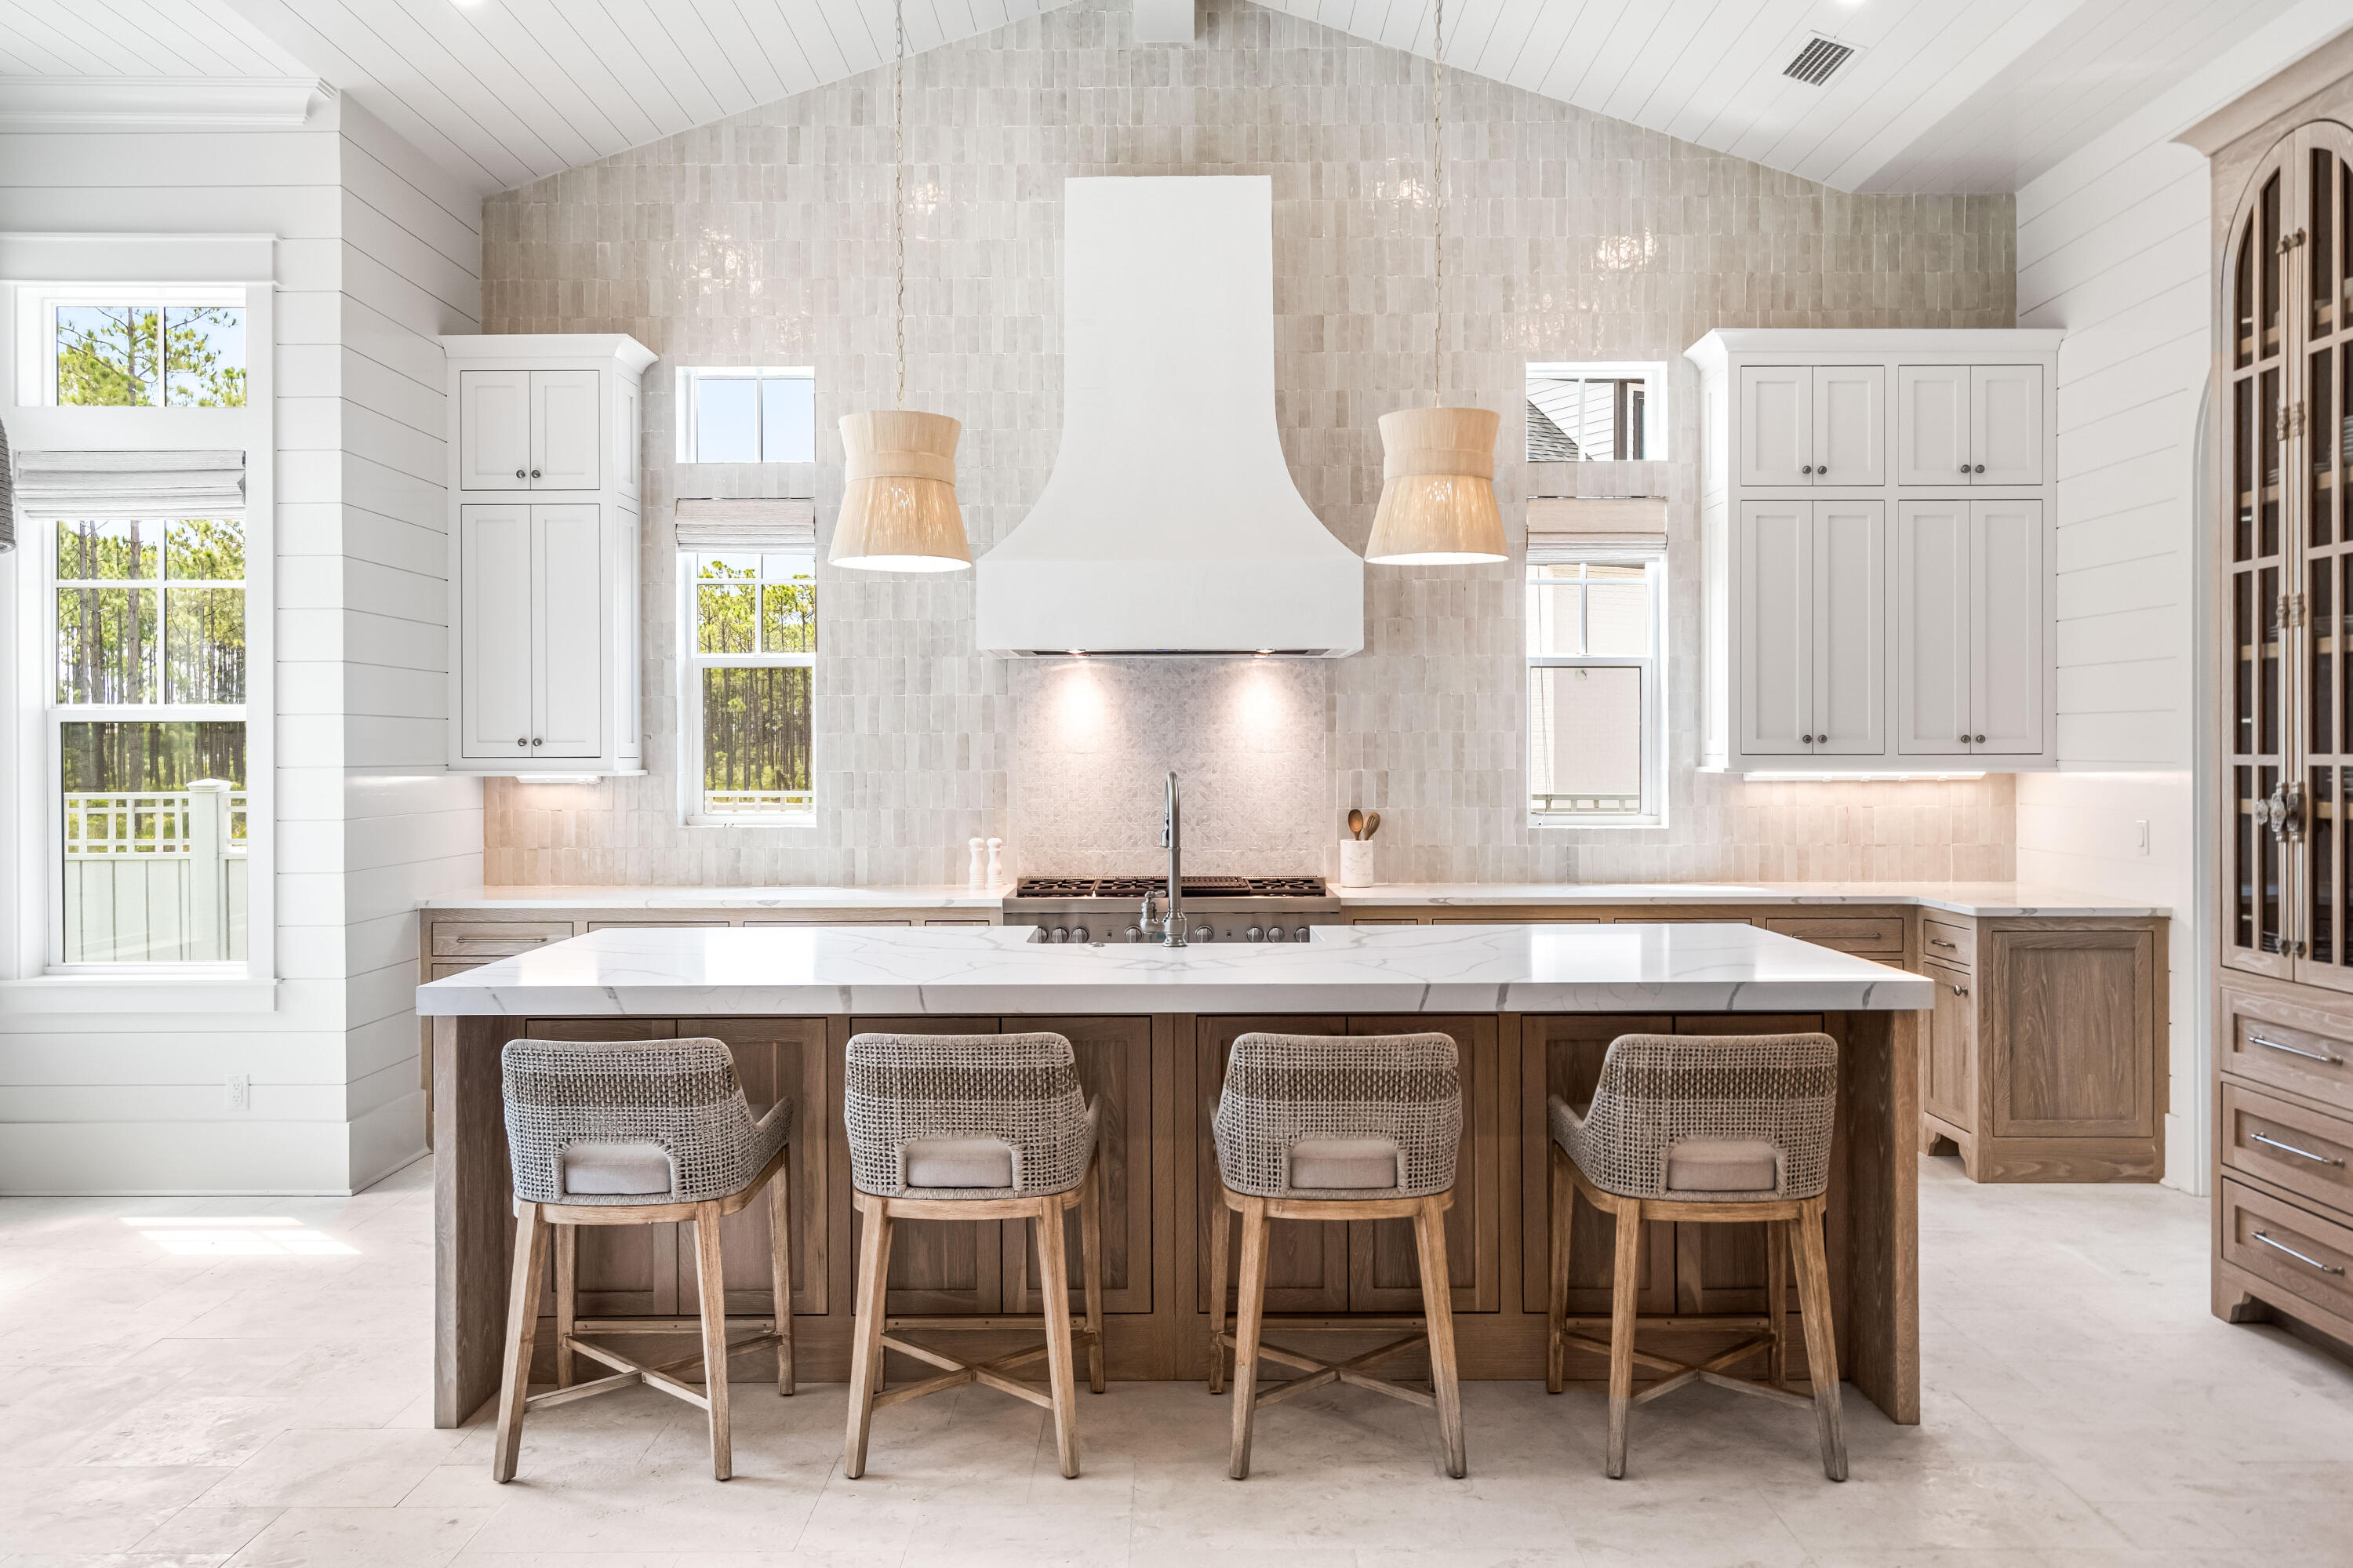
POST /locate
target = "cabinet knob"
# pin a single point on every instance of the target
(521, 741)
(534, 474)
(1821, 469)
(1979, 740)
(1979, 469)
(536, 741)
(518, 473)
(1965, 468)
(1964, 739)
(1806, 739)
(1960, 990)
(1808, 469)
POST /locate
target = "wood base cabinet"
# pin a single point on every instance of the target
(2044, 1059)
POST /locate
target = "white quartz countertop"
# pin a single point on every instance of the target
(752, 971)
(1988, 898)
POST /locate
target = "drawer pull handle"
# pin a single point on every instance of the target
(2295, 1050)
(1940, 942)
(2282, 1246)
(2292, 1149)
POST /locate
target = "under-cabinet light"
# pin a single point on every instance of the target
(558, 777)
(1860, 778)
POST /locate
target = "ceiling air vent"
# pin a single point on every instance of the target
(1818, 61)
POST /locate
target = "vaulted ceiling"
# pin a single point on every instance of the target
(1939, 95)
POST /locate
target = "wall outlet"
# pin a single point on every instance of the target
(240, 1091)
(2140, 835)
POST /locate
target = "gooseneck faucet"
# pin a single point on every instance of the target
(1170, 923)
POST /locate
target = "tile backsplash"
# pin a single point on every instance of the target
(765, 239)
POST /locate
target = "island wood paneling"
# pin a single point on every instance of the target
(1308, 1265)
(1115, 1065)
(937, 1267)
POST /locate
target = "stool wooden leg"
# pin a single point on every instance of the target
(522, 1324)
(1822, 1346)
(1563, 1225)
(866, 1341)
(567, 1297)
(1624, 1285)
(1091, 1268)
(1054, 1284)
(1221, 1227)
(1776, 1302)
(1437, 1308)
(780, 1270)
(1249, 1321)
(711, 1289)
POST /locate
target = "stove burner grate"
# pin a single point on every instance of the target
(1194, 886)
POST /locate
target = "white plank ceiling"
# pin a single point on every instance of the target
(1942, 95)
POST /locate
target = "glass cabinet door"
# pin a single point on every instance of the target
(2314, 445)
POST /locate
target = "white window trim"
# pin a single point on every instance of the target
(26, 883)
(692, 663)
(690, 391)
(1653, 558)
(1652, 373)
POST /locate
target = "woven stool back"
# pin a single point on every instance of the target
(1658, 1090)
(1022, 1088)
(680, 1093)
(1281, 1089)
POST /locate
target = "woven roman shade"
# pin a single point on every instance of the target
(130, 483)
(1571, 527)
(746, 524)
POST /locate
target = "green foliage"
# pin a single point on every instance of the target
(756, 729)
(107, 636)
(138, 755)
(141, 355)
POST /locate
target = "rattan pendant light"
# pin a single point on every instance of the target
(1437, 464)
(898, 511)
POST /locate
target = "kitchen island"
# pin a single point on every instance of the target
(1531, 1007)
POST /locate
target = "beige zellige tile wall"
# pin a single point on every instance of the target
(765, 239)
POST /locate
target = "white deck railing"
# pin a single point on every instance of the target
(155, 875)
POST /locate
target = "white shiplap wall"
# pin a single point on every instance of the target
(2114, 246)
(376, 253)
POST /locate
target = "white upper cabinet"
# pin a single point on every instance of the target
(1875, 511)
(494, 416)
(1777, 617)
(2009, 673)
(1932, 628)
(1849, 628)
(1776, 425)
(1932, 424)
(2006, 423)
(1969, 424)
(545, 675)
(1849, 424)
(533, 430)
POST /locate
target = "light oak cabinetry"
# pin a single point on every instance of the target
(1871, 611)
(544, 580)
(2282, 749)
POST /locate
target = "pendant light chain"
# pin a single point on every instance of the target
(1438, 173)
(898, 204)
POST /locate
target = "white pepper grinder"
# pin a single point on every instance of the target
(995, 863)
(975, 869)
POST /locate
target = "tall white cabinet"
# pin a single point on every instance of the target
(543, 553)
(1875, 521)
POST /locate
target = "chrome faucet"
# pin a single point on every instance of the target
(1169, 923)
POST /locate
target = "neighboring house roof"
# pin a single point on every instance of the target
(1547, 442)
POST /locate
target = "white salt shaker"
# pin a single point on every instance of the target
(995, 863)
(1355, 863)
(974, 868)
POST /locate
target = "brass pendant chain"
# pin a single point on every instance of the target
(899, 205)
(1437, 180)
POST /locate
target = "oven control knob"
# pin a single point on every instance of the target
(1300, 935)
(1078, 933)
(1135, 934)
(1060, 934)
(1204, 934)
(1277, 934)
(1256, 934)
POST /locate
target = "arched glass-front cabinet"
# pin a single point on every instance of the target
(2287, 393)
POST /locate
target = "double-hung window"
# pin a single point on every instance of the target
(751, 616)
(1596, 697)
(146, 738)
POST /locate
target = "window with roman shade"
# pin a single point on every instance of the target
(747, 614)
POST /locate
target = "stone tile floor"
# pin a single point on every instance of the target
(242, 1381)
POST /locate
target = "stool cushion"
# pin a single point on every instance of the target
(634, 1168)
(1343, 1164)
(1722, 1165)
(959, 1162)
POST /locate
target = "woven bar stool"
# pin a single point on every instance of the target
(973, 1127)
(1708, 1129)
(1314, 1127)
(638, 1132)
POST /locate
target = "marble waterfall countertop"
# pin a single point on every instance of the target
(702, 971)
(1982, 898)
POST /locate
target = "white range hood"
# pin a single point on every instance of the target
(1169, 523)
